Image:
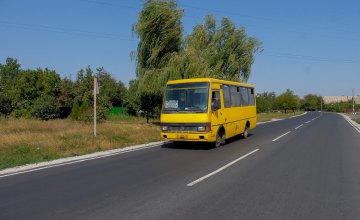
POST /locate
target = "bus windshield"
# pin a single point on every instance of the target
(186, 97)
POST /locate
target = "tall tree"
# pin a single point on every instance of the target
(266, 102)
(288, 101)
(160, 32)
(227, 50)
(311, 102)
(9, 72)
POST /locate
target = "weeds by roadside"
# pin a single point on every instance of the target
(26, 141)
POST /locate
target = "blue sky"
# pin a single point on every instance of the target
(309, 46)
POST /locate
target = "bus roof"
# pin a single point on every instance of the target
(211, 80)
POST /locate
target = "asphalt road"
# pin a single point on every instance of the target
(306, 167)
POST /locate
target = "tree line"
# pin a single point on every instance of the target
(43, 94)
(287, 101)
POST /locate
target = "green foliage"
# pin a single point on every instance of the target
(311, 102)
(288, 101)
(224, 52)
(148, 103)
(340, 107)
(43, 94)
(31, 85)
(67, 93)
(132, 99)
(75, 111)
(266, 102)
(46, 107)
(159, 29)
(9, 73)
(85, 112)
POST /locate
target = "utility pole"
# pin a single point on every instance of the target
(353, 98)
(321, 101)
(95, 92)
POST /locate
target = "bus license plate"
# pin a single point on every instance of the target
(182, 136)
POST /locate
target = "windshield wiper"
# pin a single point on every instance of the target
(197, 108)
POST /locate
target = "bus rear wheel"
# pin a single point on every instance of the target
(246, 132)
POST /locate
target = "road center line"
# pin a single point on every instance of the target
(299, 126)
(307, 122)
(281, 136)
(220, 169)
(313, 119)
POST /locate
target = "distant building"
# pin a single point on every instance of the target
(337, 99)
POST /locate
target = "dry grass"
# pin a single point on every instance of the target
(25, 141)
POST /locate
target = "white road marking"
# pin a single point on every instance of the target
(281, 136)
(299, 126)
(307, 122)
(220, 169)
(313, 119)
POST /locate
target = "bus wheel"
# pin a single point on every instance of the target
(246, 132)
(220, 138)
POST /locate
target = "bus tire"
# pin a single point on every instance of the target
(246, 132)
(217, 140)
(220, 138)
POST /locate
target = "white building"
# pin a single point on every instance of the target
(337, 99)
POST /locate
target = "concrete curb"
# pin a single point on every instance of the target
(355, 125)
(70, 160)
(280, 119)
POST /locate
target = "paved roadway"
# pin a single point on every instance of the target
(313, 172)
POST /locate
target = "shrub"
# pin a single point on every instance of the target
(46, 107)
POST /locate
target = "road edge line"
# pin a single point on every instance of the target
(353, 124)
(76, 159)
(265, 122)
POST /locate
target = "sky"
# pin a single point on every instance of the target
(308, 46)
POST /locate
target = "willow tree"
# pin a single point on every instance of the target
(159, 30)
(227, 50)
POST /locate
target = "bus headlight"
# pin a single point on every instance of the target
(204, 128)
(164, 128)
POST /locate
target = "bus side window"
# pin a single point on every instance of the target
(251, 96)
(215, 101)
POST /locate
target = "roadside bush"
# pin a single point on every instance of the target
(75, 111)
(45, 108)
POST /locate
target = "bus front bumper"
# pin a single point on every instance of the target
(200, 137)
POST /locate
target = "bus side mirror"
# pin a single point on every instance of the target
(215, 106)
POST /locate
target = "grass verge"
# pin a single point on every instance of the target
(25, 141)
(263, 117)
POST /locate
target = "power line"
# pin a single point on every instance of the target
(310, 58)
(272, 28)
(267, 19)
(61, 30)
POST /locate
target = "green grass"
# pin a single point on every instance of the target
(263, 117)
(357, 120)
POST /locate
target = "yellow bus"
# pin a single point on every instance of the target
(207, 110)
